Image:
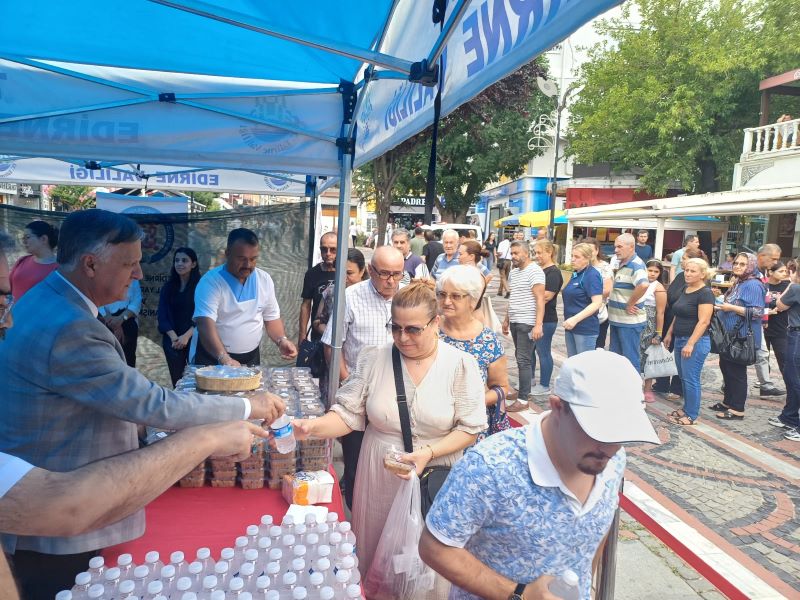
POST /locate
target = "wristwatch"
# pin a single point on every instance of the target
(280, 339)
(517, 595)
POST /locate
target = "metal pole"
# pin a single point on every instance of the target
(554, 184)
(341, 272)
(608, 561)
(311, 186)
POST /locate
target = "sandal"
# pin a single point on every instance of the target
(719, 406)
(727, 415)
(677, 414)
(685, 420)
(673, 396)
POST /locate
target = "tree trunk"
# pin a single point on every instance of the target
(454, 216)
(384, 177)
(709, 181)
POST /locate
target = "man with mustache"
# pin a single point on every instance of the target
(234, 303)
(527, 504)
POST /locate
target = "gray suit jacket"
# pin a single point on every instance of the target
(69, 399)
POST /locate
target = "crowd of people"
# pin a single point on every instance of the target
(416, 315)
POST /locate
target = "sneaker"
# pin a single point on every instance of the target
(516, 406)
(771, 391)
(508, 295)
(793, 435)
(776, 422)
(540, 390)
(756, 383)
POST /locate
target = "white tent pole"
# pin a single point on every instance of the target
(341, 273)
(568, 244)
(658, 251)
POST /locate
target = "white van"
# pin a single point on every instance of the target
(461, 228)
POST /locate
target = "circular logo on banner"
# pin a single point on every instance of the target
(265, 138)
(7, 167)
(276, 183)
(157, 238)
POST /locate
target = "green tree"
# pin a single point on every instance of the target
(482, 141)
(204, 198)
(672, 96)
(72, 197)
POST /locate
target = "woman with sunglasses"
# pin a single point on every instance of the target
(446, 402)
(743, 301)
(458, 292)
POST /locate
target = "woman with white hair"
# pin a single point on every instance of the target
(459, 294)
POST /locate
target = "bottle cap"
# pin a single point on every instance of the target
(300, 529)
(167, 571)
(236, 584)
(344, 527)
(288, 540)
(96, 562)
(247, 569)
(123, 560)
(203, 553)
(312, 539)
(183, 584)
(348, 562)
(113, 574)
(287, 520)
(570, 577)
(326, 593)
(141, 572)
(264, 543)
(242, 541)
(262, 582)
(64, 595)
(251, 555)
(273, 595)
(177, 557)
(83, 578)
(151, 557)
(346, 548)
(299, 593)
(209, 582)
(218, 595)
(221, 567)
(342, 576)
(299, 550)
(273, 568)
(226, 554)
(324, 550)
(323, 564)
(316, 578)
(323, 529)
(289, 578)
(154, 587)
(353, 591)
(126, 587)
(298, 564)
(275, 554)
(311, 520)
(335, 538)
(266, 520)
(245, 596)
(189, 596)
(195, 568)
(332, 517)
(252, 530)
(275, 531)
(96, 591)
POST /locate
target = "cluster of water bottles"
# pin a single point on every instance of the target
(291, 561)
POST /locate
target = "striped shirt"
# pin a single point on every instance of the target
(442, 264)
(365, 317)
(522, 304)
(633, 273)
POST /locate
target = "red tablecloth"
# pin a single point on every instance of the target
(189, 518)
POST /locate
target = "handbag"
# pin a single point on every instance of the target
(659, 363)
(740, 348)
(432, 478)
(498, 418)
(311, 354)
(716, 333)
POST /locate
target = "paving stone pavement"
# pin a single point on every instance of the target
(732, 479)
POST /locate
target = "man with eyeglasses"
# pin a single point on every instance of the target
(414, 266)
(316, 279)
(368, 307)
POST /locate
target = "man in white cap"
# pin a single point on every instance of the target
(527, 504)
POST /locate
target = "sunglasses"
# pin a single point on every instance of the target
(327, 249)
(456, 297)
(412, 330)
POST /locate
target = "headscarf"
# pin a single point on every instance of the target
(750, 272)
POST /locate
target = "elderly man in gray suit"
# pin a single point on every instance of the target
(70, 399)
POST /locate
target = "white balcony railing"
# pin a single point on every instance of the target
(769, 139)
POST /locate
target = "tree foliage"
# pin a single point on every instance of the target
(72, 197)
(672, 97)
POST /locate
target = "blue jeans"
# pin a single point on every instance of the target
(577, 343)
(791, 377)
(542, 348)
(625, 341)
(523, 349)
(689, 370)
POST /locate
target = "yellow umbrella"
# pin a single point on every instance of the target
(538, 219)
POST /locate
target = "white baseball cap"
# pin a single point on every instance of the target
(604, 392)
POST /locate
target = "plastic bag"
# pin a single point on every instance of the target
(659, 363)
(397, 571)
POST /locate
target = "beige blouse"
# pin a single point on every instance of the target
(450, 396)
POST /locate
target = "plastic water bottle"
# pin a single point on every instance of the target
(189, 596)
(252, 532)
(315, 583)
(288, 583)
(226, 555)
(287, 524)
(288, 542)
(323, 565)
(299, 569)
(247, 574)
(153, 560)
(64, 595)
(275, 533)
(209, 585)
(112, 578)
(276, 556)
(273, 595)
(311, 523)
(168, 579)
(284, 434)
(353, 591)
(262, 587)
(217, 595)
(204, 557)
(266, 523)
(250, 556)
(326, 593)
(323, 531)
(245, 596)
(566, 586)
(141, 577)
(196, 573)
(241, 544)
(221, 570)
(125, 589)
(346, 529)
(178, 560)
(154, 589)
(97, 565)
(312, 541)
(334, 539)
(82, 583)
(182, 585)
(235, 587)
(332, 519)
(272, 571)
(96, 591)
(299, 593)
(126, 566)
(342, 579)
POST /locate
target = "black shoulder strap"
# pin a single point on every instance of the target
(402, 403)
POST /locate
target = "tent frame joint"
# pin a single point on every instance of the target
(346, 145)
(424, 74)
(349, 98)
(167, 97)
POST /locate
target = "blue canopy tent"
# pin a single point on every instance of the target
(306, 88)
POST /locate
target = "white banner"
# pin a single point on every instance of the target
(120, 203)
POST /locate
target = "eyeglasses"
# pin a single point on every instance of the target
(412, 330)
(455, 297)
(330, 250)
(386, 275)
(739, 264)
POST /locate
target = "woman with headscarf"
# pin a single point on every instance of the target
(743, 301)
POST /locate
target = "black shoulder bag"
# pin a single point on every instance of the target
(432, 478)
